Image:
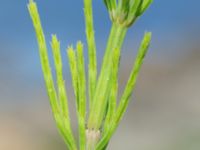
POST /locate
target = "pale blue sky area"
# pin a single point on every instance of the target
(174, 23)
(65, 17)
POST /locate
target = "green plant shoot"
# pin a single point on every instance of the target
(104, 114)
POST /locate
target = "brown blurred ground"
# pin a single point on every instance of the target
(164, 113)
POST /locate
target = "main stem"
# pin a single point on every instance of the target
(97, 113)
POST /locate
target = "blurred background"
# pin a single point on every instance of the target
(164, 113)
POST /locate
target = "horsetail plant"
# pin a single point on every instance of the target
(104, 114)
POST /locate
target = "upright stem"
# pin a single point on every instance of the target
(127, 92)
(82, 95)
(60, 115)
(92, 66)
(115, 40)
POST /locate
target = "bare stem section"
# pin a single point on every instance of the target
(93, 137)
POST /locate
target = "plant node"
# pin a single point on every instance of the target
(92, 137)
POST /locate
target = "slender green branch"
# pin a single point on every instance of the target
(112, 100)
(44, 56)
(102, 90)
(63, 125)
(127, 92)
(79, 84)
(104, 114)
(92, 67)
(55, 44)
(74, 73)
(82, 95)
(62, 95)
(133, 77)
(81, 79)
(78, 81)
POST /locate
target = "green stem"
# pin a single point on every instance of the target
(97, 113)
(63, 125)
(112, 99)
(82, 94)
(62, 94)
(127, 92)
(92, 66)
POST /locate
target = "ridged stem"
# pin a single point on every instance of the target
(92, 66)
(102, 91)
(127, 92)
(60, 110)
